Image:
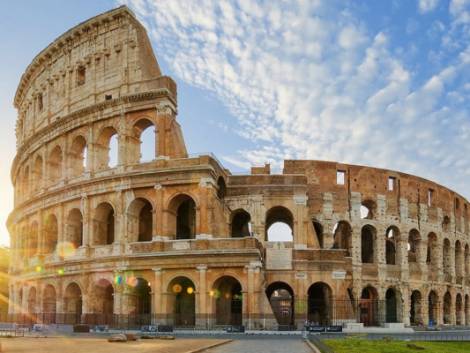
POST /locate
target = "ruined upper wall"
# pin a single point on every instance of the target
(105, 57)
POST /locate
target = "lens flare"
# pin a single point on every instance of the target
(190, 290)
(66, 249)
(38, 269)
(60, 271)
(132, 281)
(118, 279)
(177, 288)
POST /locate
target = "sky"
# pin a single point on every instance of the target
(379, 83)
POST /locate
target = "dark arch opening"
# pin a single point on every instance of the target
(221, 188)
(227, 292)
(433, 308)
(319, 304)
(73, 304)
(416, 318)
(391, 306)
(447, 308)
(343, 236)
(369, 307)
(240, 226)
(104, 224)
(367, 244)
(318, 228)
(281, 298)
(182, 294)
(391, 239)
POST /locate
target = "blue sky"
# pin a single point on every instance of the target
(381, 83)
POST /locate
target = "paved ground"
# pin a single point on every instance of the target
(264, 345)
(100, 345)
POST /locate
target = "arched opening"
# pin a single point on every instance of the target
(227, 293)
(342, 238)
(368, 244)
(319, 304)
(102, 303)
(433, 308)
(318, 228)
(181, 292)
(139, 300)
(416, 317)
(54, 165)
(25, 182)
(391, 306)
(466, 261)
(467, 310)
(240, 225)
(432, 252)
(104, 224)
(145, 133)
(279, 224)
(447, 309)
(459, 317)
(33, 239)
(185, 216)
(32, 303)
(221, 188)
(458, 262)
(50, 234)
(414, 240)
(140, 220)
(49, 304)
(106, 149)
(77, 157)
(37, 173)
(73, 304)
(447, 260)
(369, 307)
(74, 234)
(367, 210)
(281, 298)
(446, 224)
(391, 241)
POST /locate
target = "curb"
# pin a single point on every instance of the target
(311, 346)
(213, 345)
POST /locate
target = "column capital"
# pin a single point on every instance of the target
(201, 268)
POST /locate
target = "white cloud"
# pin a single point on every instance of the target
(427, 5)
(307, 80)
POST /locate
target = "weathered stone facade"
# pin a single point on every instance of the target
(184, 241)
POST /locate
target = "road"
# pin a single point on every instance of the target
(264, 345)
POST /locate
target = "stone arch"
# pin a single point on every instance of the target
(416, 308)
(279, 224)
(104, 224)
(320, 304)
(392, 239)
(342, 238)
(139, 299)
(54, 165)
(49, 304)
(74, 228)
(414, 241)
(446, 224)
(221, 188)
(459, 313)
(32, 302)
(466, 261)
(51, 233)
(182, 218)
(240, 225)
(73, 303)
(281, 297)
(433, 307)
(105, 153)
(447, 308)
(368, 306)
(181, 297)
(368, 241)
(432, 251)
(467, 310)
(140, 220)
(37, 173)
(77, 156)
(33, 238)
(101, 301)
(145, 135)
(392, 299)
(447, 260)
(459, 264)
(228, 300)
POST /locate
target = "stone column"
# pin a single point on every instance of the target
(157, 307)
(404, 303)
(327, 211)
(301, 299)
(300, 221)
(201, 298)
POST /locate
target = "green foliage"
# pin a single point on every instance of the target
(356, 345)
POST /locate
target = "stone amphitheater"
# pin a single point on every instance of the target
(102, 236)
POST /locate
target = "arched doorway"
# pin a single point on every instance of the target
(74, 231)
(32, 304)
(139, 300)
(459, 317)
(104, 224)
(281, 298)
(279, 224)
(467, 310)
(368, 244)
(447, 308)
(182, 298)
(140, 220)
(391, 306)
(369, 307)
(391, 241)
(73, 304)
(320, 304)
(227, 293)
(102, 303)
(343, 236)
(49, 304)
(240, 226)
(183, 217)
(416, 318)
(433, 308)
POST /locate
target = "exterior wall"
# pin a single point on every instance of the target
(119, 63)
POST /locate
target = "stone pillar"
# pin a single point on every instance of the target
(404, 303)
(85, 207)
(301, 221)
(201, 298)
(327, 211)
(301, 299)
(205, 207)
(157, 307)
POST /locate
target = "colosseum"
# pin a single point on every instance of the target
(101, 236)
